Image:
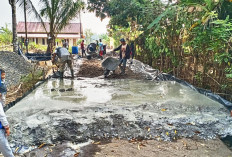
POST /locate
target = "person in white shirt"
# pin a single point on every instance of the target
(4, 125)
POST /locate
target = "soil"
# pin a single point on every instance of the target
(152, 148)
(137, 148)
(92, 68)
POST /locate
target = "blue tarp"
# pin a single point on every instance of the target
(38, 56)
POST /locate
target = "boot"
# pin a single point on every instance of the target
(122, 71)
(72, 73)
(106, 73)
(121, 68)
(61, 75)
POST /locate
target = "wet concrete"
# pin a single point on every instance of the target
(82, 109)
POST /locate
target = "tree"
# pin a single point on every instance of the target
(58, 13)
(105, 39)
(100, 7)
(5, 35)
(14, 24)
(190, 39)
(28, 6)
(88, 36)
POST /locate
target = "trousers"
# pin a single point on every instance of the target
(63, 63)
(4, 145)
(123, 62)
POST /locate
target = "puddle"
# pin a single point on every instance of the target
(83, 109)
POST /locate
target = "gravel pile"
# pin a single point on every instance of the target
(15, 67)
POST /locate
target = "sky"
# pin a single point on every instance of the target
(89, 20)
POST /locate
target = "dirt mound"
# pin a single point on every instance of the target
(92, 68)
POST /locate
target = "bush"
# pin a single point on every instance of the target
(36, 47)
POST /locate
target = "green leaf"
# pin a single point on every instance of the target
(157, 20)
(229, 75)
(166, 49)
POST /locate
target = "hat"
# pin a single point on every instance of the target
(122, 40)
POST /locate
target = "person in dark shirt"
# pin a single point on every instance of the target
(83, 48)
(124, 54)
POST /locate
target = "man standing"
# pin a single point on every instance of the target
(4, 125)
(83, 48)
(101, 49)
(124, 54)
(62, 56)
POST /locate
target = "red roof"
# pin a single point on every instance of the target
(37, 27)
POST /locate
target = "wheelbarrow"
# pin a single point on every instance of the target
(110, 64)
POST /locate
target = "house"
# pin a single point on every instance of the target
(36, 33)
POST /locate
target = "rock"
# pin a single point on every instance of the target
(15, 67)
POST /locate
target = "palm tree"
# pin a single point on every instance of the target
(58, 12)
(28, 6)
(14, 24)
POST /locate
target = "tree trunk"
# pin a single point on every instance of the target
(25, 22)
(51, 42)
(204, 72)
(195, 68)
(14, 25)
(161, 62)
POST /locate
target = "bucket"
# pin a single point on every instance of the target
(74, 50)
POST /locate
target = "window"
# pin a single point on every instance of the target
(33, 39)
(43, 41)
(37, 41)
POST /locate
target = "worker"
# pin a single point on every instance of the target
(124, 54)
(4, 125)
(61, 57)
(101, 49)
(83, 48)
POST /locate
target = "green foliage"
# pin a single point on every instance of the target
(191, 37)
(225, 10)
(105, 38)
(5, 36)
(59, 13)
(157, 20)
(100, 7)
(198, 77)
(88, 36)
(34, 75)
(79, 41)
(36, 47)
